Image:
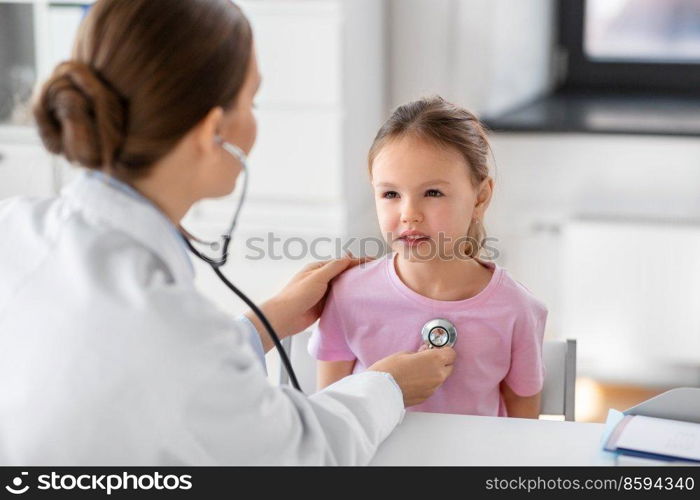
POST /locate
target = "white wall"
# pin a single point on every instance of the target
(546, 184)
(486, 55)
(364, 90)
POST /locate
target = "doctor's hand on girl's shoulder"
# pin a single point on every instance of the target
(300, 302)
(418, 374)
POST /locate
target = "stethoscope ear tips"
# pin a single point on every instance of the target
(439, 333)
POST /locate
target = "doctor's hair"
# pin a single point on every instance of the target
(142, 74)
(444, 124)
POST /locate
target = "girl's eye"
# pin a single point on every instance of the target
(390, 195)
(433, 193)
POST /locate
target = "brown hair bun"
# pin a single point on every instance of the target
(79, 116)
(142, 74)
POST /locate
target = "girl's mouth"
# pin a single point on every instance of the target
(413, 239)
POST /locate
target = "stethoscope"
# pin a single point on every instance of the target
(217, 264)
(438, 333)
(435, 333)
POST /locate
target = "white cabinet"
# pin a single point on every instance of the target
(25, 168)
(298, 155)
(34, 36)
(319, 107)
(605, 230)
(299, 44)
(320, 104)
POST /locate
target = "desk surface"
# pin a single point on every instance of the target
(438, 439)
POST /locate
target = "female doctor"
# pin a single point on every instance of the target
(108, 355)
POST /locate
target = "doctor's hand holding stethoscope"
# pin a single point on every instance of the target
(108, 354)
(300, 304)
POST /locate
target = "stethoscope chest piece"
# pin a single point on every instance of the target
(439, 333)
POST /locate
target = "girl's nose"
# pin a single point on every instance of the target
(409, 214)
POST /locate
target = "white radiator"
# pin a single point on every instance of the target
(631, 296)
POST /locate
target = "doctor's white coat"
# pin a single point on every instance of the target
(108, 354)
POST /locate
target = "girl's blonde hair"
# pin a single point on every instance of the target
(436, 120)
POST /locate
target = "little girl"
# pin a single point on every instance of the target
(428, 167)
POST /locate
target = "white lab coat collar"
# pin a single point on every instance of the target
(135, 216)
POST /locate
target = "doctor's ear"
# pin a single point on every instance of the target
(206, 132)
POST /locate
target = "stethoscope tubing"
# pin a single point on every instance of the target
(217, 264)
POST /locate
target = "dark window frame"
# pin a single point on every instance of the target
(582, 73)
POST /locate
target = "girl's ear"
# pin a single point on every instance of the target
(483, 197)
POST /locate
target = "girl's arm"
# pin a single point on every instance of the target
(520, 406)
(328, 372)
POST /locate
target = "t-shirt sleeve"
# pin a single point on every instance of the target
(328, 340)
(526, 374)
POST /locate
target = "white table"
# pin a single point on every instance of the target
(439, 439)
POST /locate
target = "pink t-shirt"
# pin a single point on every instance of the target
(370, 314)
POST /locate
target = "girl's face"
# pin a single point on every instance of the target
(425, 198)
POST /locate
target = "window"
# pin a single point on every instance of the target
(660, 31)
(631, 44)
